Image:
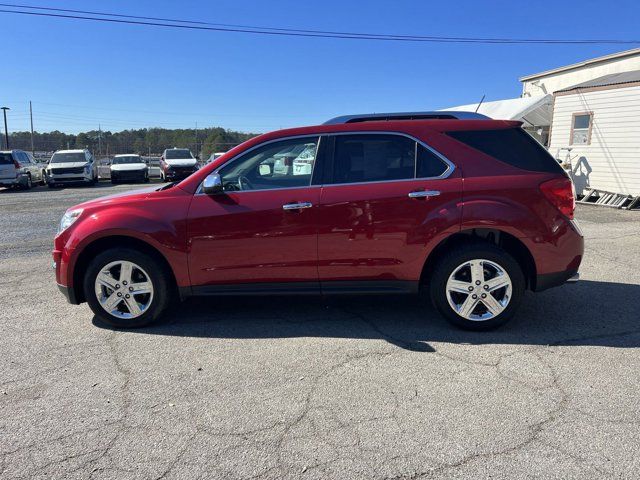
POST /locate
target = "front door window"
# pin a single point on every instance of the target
(281, 164)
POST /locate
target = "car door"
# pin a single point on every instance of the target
(34, 168)
(387, 199)
(29, 166)
(263, 228)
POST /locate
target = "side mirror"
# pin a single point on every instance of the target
(212, 184)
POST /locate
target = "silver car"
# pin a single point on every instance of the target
(19, 169)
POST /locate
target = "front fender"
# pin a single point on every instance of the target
(156, 222)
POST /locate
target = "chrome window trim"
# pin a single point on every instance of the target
(450, 165)
(446, 174)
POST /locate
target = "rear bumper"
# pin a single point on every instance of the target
(550, 280)
(69, 293)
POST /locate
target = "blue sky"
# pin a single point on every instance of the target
(80, 74)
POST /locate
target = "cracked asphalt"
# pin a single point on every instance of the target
(312, 388)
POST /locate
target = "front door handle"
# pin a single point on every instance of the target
(297, 206)
(424, 194)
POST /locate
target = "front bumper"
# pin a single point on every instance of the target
(68, 178)
(177, 175)
(129, 175)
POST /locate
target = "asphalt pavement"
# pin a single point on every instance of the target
(313, 388)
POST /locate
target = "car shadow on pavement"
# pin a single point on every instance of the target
(586, 313)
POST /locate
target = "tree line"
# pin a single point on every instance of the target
(142, 141)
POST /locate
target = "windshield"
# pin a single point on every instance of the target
(68, 157)
(178, 153)
(127, 159)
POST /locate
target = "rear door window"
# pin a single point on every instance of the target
(513, 146)
(373, 158)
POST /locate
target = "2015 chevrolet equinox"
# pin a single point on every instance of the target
(470, 210)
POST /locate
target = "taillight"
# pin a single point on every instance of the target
(561, 193)
(17, 164)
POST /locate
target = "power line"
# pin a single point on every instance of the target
(205, 26)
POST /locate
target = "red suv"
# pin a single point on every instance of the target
(469, 210)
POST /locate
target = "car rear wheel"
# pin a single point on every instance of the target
(29, 184)
(477, 287)
(126, 288)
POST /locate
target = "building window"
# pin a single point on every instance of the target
(581, 124)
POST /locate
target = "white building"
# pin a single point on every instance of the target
(588, 115)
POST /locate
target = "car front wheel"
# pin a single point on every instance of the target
(477, 286)
(127, 288)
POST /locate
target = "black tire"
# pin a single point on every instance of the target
(29, 184)
(451, 260)
(158, 275)
(51, 185)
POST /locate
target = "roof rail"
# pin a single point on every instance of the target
(437, 115)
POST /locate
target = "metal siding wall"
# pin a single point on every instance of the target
(614, 153)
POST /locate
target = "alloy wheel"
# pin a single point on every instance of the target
(479, 290)
(124, 289)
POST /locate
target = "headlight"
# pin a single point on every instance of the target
(68, 218)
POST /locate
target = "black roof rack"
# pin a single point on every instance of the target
(436, 115)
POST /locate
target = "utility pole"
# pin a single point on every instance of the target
(33, 152)
(6, 131)
(99, 140)
(196, 139)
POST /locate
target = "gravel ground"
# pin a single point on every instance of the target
(354, 388)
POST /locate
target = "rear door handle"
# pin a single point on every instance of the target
(297, 206)
(424, 193)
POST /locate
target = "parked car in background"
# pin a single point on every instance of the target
(72, 166)
(129, 167)
(19, 169)
(177, 164)
(468, 210)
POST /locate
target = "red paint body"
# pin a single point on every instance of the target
(354, 232)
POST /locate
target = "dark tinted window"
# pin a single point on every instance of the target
(372, 157)
(512, 145)
(70, 157)
(6, 159)
(429, 164)
(128, 159)
(178, 153)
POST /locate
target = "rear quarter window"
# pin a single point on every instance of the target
(513, 146)
(5, 159)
